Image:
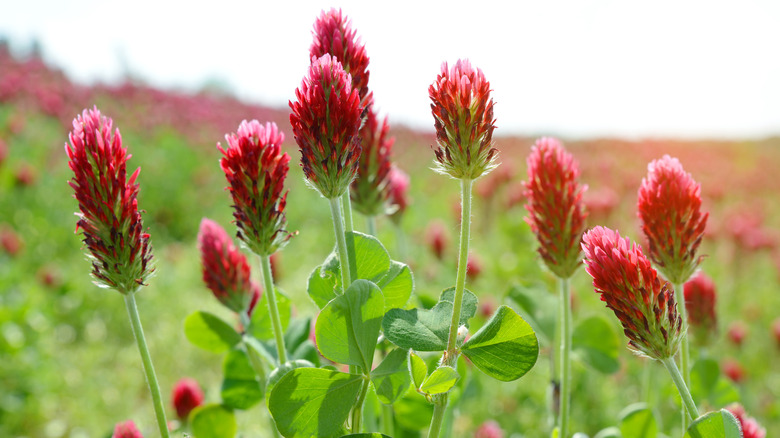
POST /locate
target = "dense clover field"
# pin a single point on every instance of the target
(69, 366)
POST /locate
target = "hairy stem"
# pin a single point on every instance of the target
(679, 295)
(688, 404)
(151, 377)
(565, 368)
(439, 409)
(273, 309)
(346, 205)
(341, 243)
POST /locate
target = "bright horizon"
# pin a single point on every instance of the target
(698, 69)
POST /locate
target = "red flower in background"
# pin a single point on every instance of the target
(737, 333)
(473, 267)
(669, 207)
(463, 116)
(370, 189)
(110, 221)
(186, 396)
(333, 34)
(256, 168)
(700, 300)
(326, 118)
(225, 268)
(126, 429)
(489, 429)
(776, 331)
(556, 212)
(750, 427)
(397, 193)
(733, 370)
(436, 235)
(630, 286)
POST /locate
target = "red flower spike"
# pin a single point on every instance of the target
(463, 116)
(126, 429)
(473, 267)
(750, 427)
(489, 429)
(436, 236)
(733, 370)
(326, 118)
(669, 207)
(556, 211)
(737, 332)
(256, 168)
(333, 34)
(700, 304)
(119, 249)
(631, 287)
(225, 268)
(397, 188)
(186, 396)
(370, 189)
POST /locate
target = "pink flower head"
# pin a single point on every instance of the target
(489, 429)
(369, 190)
(737, 333)
(119, 249)
(733, 370)
(750, 427)
(437, 239)
(326, 118)
(630, 286)
(556, 212)
(225, 268)
(333, 34)
(463, 116)
(256, 168)
(473, 267)
(397, 188)
(700, 304)
(670, 210)
(186, 396)
(126, 429)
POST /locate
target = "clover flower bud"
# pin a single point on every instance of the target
(187, 396)
(700, 305)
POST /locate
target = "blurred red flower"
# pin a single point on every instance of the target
(186, 396)
(126, 429)
(700, 301)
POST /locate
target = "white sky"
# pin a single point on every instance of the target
(574, 68)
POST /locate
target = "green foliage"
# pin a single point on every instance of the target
(539, 307)
(210, 333)
(638, 421)
(441, 380)
(391, 377)
(427, 330)
(418, 369)
(707, 383)
(597, 344)
(505, 348)
(719, 424)
(348, 327)
(241, 388)
(213, 421)
(260, 326)
(309, 402)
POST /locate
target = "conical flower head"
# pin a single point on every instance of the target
(630, 286)
(669, 207)
(225, 268)
(700, 300)
(119, 249)
(326, 118)
(369, 190)
(256, 168)
(556, 211)
(333, 34)
(463, 116)
(397, 188)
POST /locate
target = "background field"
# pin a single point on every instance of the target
(70, 368)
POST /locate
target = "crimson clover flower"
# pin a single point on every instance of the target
(700, 300)
(325, 119)
(109, 218)
(369, 190)
(669, 207)
(750, 427)
(225, 268)
(463, 116)
(556, 211)
(631, 287)
(256, 168)
(397, 188)
(186, 396)
(333, 34)
(126, 429)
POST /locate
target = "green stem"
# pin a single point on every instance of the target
(371, 225)
(346, 205)
(679, 295)
(387, 420)
(565, 367)
(341, 243)
(688, 403)
(451, 355)
(273, 309)
(439, 410)
(357, 411)
(151, 377)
